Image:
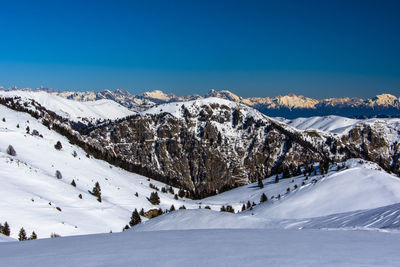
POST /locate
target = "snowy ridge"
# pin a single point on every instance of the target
(73, 110)
(337, 124)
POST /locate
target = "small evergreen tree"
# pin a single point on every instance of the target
(176, 197)
(154, 198)
(182, 207)
(181, 193)
(27, 129)
(58, 174)
(172, 208)
(73, 183)
(141, 213)
(277, 179)
(136, 194)
(58, 145)
(243, 207)
(22, 235)
(125, 228)
(135, 218)
(11, 151)
(6, 229)
(33, 236)
(260, 184)
(248, 204)
(97, 191)
(223, 208)
(229, 209)
(80, 196)
(263, 198)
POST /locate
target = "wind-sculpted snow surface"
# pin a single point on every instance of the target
(240, 247)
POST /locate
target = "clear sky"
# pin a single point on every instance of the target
(253, 48)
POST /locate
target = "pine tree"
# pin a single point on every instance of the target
(125, 228)
(182, 207)
(172, 208)
(243, 207)
(141, 213)
(73, 183)
(58, 174)
(229, 209)
(97, 191)
(263, 198)
(277, 179)
(22, 235)
(33, 236)
(11, 151)
(248, 204)
(154, 198)
(135, 218)
(260, 184)
(58, 145)
(223, 208)
(6, 229)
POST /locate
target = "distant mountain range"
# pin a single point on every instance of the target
(288, 106)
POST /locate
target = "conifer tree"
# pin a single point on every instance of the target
(135, 218)
(33, 236)
(172, 208)
(141, 213)
(182, 207)
(277, 179)
(11, 151)
(6, 229)
(73, 183)
(58, 145)
(260, 184)
(154, 198)
(97, 191)
(243, 207)
(263, 198)
(22, 235)
(248, 204)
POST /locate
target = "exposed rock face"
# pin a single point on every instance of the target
(207, 147)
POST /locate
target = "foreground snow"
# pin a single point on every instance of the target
(242, 247)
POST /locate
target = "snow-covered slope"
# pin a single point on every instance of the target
(360, 187)
(337, 124)
(362, 196)
(74, 110)
(30, 192)
(243, 247)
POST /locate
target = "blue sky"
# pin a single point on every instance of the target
(253, 48)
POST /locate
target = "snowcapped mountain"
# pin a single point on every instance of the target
(288, 106)
(210, 145)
